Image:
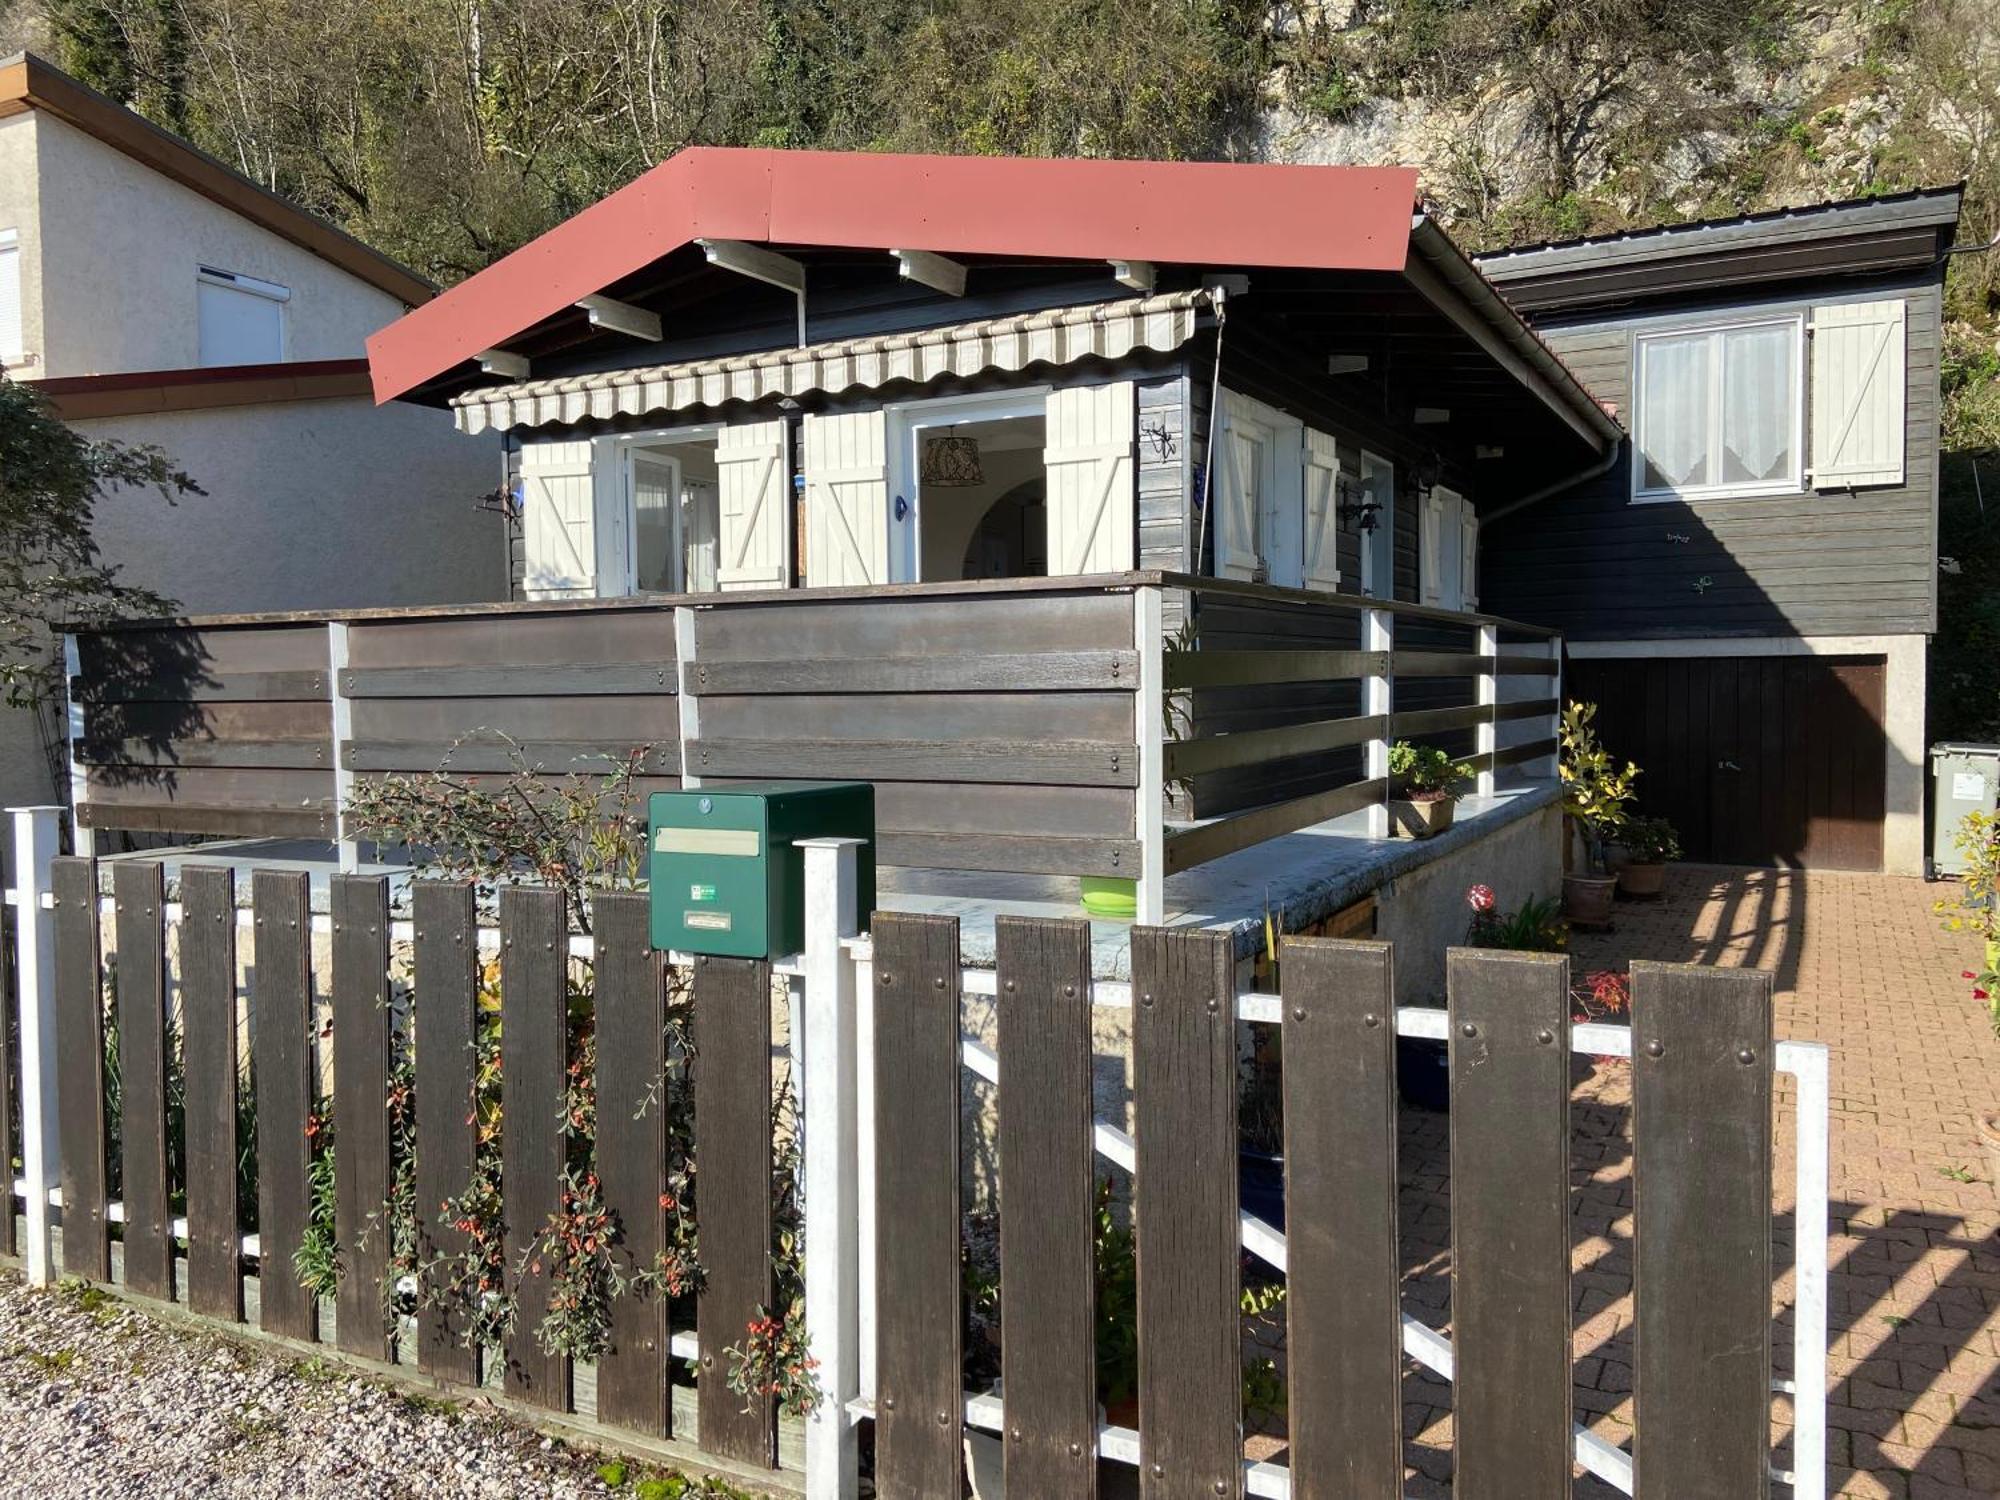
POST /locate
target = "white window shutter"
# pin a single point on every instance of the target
(1092, 477)
(11, 332)
(1468, 556)
(847, 499)
(1858, 391)
(1430, 547)
(558, 521)
(752, 475)
(1233, 496)
(1323, 481)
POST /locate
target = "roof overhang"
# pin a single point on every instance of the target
(1211, 214)
(27, 82)
(78, 398)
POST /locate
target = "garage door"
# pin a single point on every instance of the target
(1757, 760)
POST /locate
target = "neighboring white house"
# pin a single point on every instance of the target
(159, 297)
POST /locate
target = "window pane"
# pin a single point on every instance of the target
(1673, 413)
(653, 499)
(239, 327)
(1759, 400)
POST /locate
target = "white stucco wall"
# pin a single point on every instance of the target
(121, 247)
(20, 194)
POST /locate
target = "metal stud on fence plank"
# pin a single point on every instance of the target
(1510, 1225)
(1342, 1273)
(1047, 1208)
(444, 1011)
(1184, 1080)
(1701, 1112)
(86, 1239)
(632, 1385)
(732, 1105)
(362, 1167)
(209, 1063)
(534, 1058)
(282, 1058)
(140, 892)
(918, 1440)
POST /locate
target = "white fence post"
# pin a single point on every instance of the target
(1149, 714)
(343, 730)
(826, 1077)
(1554, 761)
(1378, 698)
(37, 841)
(82, 839)
(686, 705)
(1809, 1233)
(1486, 738)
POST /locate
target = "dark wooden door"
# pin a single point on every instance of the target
(1757, 760)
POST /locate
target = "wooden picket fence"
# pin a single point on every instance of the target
(882, 1069)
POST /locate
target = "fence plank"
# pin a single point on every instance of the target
(918, 1318)
(139, 889)
(1342, 1315)
(1510, 1224)
(86, 1239)
(360, 1110)
(1701, 1097)
(1184, 1082)
(534, 1059)
(1047, 1211)
(632, 1385)
(446, 997)
(282, 1061)
(209, 1063)
(732, 1111)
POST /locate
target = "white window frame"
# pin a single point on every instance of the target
(621, 502)
(1373, 464)
(906, 423)
(1792, 484)
(254, 286)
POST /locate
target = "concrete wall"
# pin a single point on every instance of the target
(1424, 912)
(20, 198)
(121, 249)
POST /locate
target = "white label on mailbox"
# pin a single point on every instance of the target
(1968, 786)
(712, 921)
(743, 842)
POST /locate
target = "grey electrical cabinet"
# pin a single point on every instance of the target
(1964, 779)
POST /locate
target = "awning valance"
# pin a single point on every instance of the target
(1057, 336)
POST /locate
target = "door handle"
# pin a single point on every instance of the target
(1727, 765)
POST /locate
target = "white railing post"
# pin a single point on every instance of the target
(1378, 699)
(1486, 738)
(686, 705)
(825, 1074)
(81, 839)
(1149, 714)
(1556, 718)
(37, 841)
(348, 849)
(1809, 1232)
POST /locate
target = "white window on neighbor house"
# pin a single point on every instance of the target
(242, 319)
(11, 342)
(1720, 411)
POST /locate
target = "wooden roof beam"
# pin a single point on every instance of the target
(1140, 275)
(938, 272)
(500, 362)
(621, 317)
(760, 264)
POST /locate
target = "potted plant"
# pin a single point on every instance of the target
(1977, 910)
(1423, 789)
(1595, 792)
(1650, 845)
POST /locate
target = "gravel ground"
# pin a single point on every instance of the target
(98, 1399)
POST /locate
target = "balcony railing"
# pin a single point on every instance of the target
(1071, 726)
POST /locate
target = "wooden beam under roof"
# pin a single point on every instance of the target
(938, 272)
(621, 317)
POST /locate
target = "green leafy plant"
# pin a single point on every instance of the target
(1536, 926)
(316, 1261)
(1596, 790)
(1650, 841)
(1424, 773)
(1976, 908)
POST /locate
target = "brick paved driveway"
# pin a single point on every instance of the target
(1860, 964)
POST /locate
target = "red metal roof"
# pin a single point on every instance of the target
(1200, 213)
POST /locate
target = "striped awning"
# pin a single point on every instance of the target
(1057, 336)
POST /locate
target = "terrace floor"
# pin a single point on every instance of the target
(1914, 1308)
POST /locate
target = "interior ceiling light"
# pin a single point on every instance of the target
(952, 462)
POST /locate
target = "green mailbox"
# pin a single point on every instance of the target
(726, 877)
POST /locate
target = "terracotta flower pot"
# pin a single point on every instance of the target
(1419, 820)
(1587, 899)
(1987, 1123)
(1642, 879)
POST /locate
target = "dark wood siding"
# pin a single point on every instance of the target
(1764, 760)
(1598, 567)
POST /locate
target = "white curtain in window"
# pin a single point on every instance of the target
(1759, 370)
(1673, 415)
